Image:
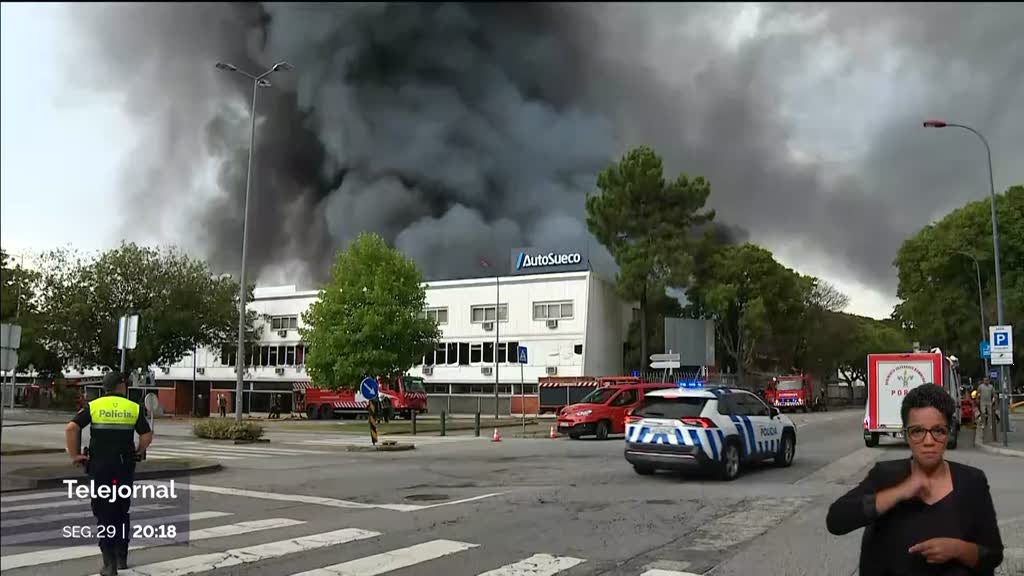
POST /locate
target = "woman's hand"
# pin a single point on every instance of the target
(940, 550)
(917, 485)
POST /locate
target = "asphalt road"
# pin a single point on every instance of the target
(466, 506)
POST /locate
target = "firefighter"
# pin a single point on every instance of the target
(110, 460)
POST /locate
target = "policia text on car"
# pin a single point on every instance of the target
(110, 460)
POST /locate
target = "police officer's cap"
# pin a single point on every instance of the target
(111, 381)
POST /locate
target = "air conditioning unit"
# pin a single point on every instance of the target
(487, 370)
(552, 324)
(428, 370)
(488, 326)
(279, 371)
(551, 370)
(200, 370)
(282, 333)
(165, 369)
(300, 368)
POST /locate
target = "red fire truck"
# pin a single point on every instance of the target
(402, 397)
(794, 392)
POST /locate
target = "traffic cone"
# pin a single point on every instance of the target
(551, 434)
(496, 437)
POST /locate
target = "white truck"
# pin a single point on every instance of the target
(891, 376)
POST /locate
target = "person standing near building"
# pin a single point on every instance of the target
(111, 460)
(985, 397)
(222, 406)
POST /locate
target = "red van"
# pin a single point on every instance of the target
(603, 411)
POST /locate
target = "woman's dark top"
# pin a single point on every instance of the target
(966, 513)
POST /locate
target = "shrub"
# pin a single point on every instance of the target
(227, 429)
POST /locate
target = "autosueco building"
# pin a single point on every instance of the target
(570, 320)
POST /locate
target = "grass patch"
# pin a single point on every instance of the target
(227, 429)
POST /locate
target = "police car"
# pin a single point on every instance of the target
(714, 428)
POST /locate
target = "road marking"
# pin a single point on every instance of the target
(248, 555)
(51, 555)
(322, 501)
(56, 533)
(536, 565)
(62, 504)
(1008, 521)
(745, 524)
(171, 452)
(246, 449)
(392, 560)
(7, 523)
(36, 496)
(843, 468)
(659, 572)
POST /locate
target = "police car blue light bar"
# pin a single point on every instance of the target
(689, 384)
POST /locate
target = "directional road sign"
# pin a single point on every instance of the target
(664, 357)
(369, 388)
(1001, 338)
(986, 350)
(522, 355)
(665, 364)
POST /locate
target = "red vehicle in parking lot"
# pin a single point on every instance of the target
(603, 411)
(402, 397)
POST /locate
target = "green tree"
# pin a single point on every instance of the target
(937, 281)
(647, 224)
(752, 298)
(369, 319)
(180, 302)
(19, 305)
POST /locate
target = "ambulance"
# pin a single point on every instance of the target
(716, 429)
(891, 376)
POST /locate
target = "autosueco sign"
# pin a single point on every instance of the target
(550, 259)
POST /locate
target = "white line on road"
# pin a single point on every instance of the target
(392, 560)
(185, 453)
(659, 572)
(843, 468)
(7, 523)
(248, 449)
(36, 496)
(61, 504)
(536, 565)
(249, 555)
(57, 534)
(51, 555)
(331, 502)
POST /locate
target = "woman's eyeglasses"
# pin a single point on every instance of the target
(939, 433)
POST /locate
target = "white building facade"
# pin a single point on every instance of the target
(572, 323)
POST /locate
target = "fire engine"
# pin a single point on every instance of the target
(402, 397)
(791, 392)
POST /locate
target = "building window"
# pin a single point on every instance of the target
(227, 356)
(438, 315)
(284, 322)
(480, 314)
(552, 310)
(463, 353)
(488, 352)
(453, 353)
(273, 356)
(475, 352)
(441, 354)
(578, 349)
(508, 352)
(289, 356)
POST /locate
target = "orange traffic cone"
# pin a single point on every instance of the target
(551, 434)
(496, 437)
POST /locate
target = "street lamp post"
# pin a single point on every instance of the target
(981, 302)
(1003, 384)
(257, 82)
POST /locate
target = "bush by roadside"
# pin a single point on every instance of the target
(226, 429)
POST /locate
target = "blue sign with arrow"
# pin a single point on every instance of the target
(522, 355)
(369, 388)
(986, 350)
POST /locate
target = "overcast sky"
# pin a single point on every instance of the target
(840, 91)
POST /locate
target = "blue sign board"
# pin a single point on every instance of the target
(1002, 338)
(369, 388)
(636, 373)
(986, 350)
(522, 355)
(993, 373)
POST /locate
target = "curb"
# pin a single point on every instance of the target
(979, 442)
(29, 451)
(36, 484)
(381, 448)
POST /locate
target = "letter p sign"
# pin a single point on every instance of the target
(1002, 339)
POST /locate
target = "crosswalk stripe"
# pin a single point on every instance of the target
(61, 504)
(392, 560)
(248, 449)
(183, 453)
(536, 565)
(36, 496)
(248, 555)
(54, 534)
(51, 555)
(7, 523)
(660, 572)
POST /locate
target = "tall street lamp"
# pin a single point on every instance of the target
(1003, 384)
(981, 303)
(257, 82)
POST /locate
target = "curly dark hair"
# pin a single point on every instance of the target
(928, 396)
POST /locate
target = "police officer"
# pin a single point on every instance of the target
(111, 460)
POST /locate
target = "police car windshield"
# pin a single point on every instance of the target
(790, 384)
(673, 408)
(599, 396)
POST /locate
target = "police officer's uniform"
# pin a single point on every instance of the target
(115, 420)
